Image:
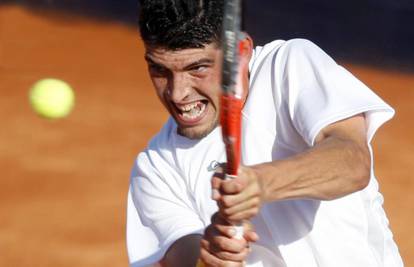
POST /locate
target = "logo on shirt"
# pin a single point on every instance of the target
(213, 166)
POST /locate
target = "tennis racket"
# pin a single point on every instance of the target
(231, 102)
(231, 99)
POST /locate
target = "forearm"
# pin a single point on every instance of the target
(331, 169)
(184, 252)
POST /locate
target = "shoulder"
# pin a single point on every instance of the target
(299, 44)
(302, 51)
(292, 46)
(158, 149)
(302, 60)
(164, 137)
(281, 55)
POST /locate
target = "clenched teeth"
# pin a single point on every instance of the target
(193, 110)
(189, 107)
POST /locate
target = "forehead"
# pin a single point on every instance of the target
(181, 57)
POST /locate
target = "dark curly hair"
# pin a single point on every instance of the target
(180, 24)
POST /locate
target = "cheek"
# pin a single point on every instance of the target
(214, 88)
(213, 93)
(160, 85)
(211, 84)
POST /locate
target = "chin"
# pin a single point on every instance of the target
(197, 132)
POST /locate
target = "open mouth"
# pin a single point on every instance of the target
(193, 111)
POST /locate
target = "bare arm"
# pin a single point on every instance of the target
(338, 164)
(184, 252)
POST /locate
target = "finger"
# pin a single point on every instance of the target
(226, 230)
(215, 187)
(228, 244)
(229, 200)
(251, 236)
(222, 226)
(222, 233)
(210, 260)
(234, 186)
(238, 184)
(223, 254)
(227, 256)
(224, 243)
(216, 182)
(228, 211)
(249, 233)
(243, 215)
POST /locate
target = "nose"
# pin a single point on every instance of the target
(179, 87)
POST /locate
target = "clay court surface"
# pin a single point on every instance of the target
(63, 183)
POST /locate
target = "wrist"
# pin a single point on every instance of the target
(261, 171)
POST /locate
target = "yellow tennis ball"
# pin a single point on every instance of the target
(52, 98)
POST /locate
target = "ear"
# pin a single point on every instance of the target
(245, 54)
(246, 47)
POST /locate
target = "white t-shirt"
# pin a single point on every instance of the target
(295, 91)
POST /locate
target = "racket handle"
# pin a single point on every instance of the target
(238, 227)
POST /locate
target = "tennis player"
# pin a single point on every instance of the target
(306, 182)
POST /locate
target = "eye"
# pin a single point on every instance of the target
(199, 68)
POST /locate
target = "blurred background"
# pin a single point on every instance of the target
(63, 183)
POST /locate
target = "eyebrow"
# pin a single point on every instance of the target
(199, 62)
(149, 60)
(188, 67)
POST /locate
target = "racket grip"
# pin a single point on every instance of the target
(238, 227)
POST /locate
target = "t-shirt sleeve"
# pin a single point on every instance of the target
(162, 201)
(319, 92)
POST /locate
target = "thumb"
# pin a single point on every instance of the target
(249, 233)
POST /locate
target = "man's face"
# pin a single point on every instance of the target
(187, 82)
